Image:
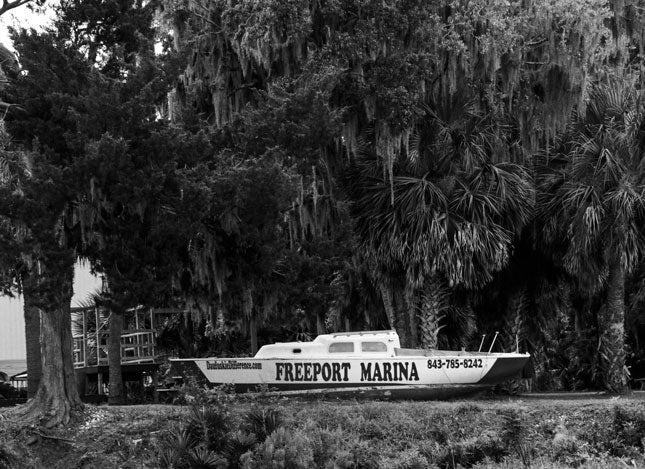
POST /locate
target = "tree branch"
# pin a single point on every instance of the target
(7, 5)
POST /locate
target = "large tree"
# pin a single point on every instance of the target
(381, 71)
(66, 97)
(12, 265)
(592, 200)
(142, 245)
(447, 218)
(52, 79)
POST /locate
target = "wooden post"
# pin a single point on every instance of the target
(99, 382)
(97, 317)
(154, 338)
(155, 385)
(84, 339)
(137, 339)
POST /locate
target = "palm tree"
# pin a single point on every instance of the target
(449, 214)
(591, 202)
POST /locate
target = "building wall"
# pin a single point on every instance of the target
(12, 329)
(12, 324)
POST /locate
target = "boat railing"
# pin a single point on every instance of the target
(18, 384)
(490, 349)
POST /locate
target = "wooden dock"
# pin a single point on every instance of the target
(139, 358)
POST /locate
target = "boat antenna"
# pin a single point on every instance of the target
(481, 344)
(493, 342)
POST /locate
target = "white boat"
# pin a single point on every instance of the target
(355, 362)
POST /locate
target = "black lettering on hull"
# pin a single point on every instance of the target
(336, 372)
(389, 371)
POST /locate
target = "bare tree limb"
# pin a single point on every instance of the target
(7, 5)
(52, 437)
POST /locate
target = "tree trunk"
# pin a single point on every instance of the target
(433, 303)
(50, 292)
(253, 326)
(402, 317)
(57, 395)
(115, 385)
(412, 306)
(430, 319)
(612, 331)
(187, 335)
(386, 295)
(249, 313)
(320, 323)
(32, 339)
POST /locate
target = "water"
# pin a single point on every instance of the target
(12, 367)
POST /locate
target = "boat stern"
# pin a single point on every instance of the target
(506, 366)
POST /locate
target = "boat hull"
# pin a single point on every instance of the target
(423, 377)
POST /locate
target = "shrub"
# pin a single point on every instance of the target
(515, 435)
(208, 425)
(173, 447)
(326, 444)
(263, 421)
(202, 458)
(567, 448)
(191, 393)
(629, 429)
(408, 459)
(469, 452)
(237, 444)
(440, 433)
(281, 449)
(360, 455)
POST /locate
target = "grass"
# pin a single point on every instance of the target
(262, 432)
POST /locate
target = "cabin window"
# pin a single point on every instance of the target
(297, 350)
(373, 347)
(341, 347)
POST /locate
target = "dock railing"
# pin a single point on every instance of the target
(137, 346)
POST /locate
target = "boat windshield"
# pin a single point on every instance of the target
(341, 347)
(373, 347)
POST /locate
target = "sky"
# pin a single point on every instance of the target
(12, 325)
(21, 17)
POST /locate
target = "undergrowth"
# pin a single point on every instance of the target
(221, 430)
(278, 433)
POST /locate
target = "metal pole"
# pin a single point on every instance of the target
(481, 344)
(493, 343)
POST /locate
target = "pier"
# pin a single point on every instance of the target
(140, 359)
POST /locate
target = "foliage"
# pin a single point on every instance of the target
(289, 166)
(282, 448)
(590, 207)
(262, 421)
(591, 433)
(208, 425)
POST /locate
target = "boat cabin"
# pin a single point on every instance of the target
(377, 344)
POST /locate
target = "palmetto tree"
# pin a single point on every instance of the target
(449, 214)
(591, 202)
